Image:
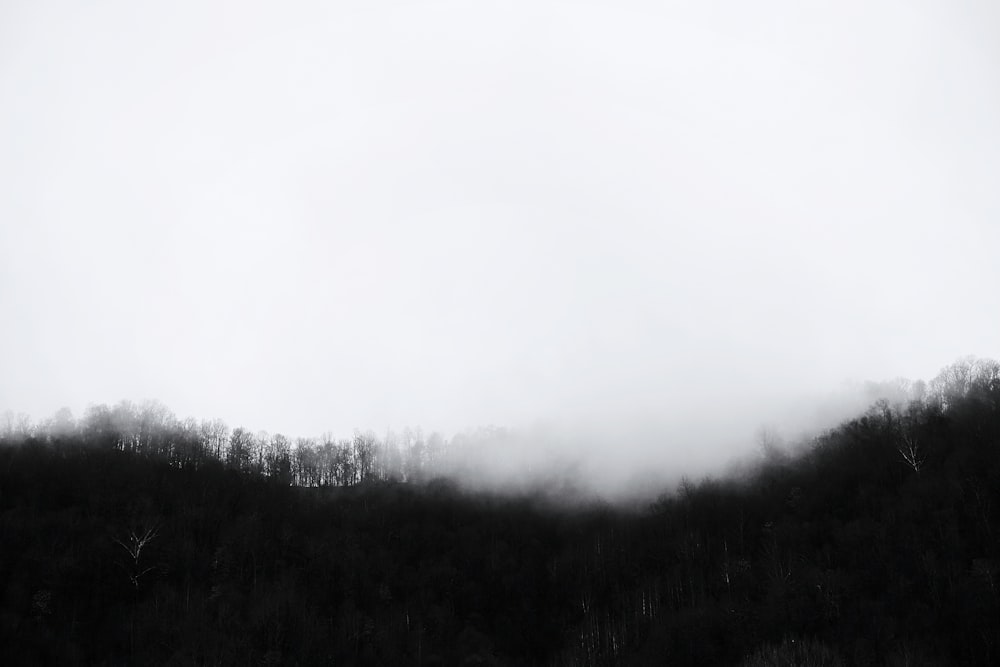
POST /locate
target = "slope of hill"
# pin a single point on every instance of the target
(876, 544)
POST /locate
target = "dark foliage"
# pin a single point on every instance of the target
(876, 545)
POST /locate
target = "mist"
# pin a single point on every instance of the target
(630, 235)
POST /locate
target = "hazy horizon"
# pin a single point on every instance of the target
(679, 220)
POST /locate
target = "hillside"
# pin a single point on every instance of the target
(874, 544)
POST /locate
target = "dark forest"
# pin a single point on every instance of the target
(128, 537)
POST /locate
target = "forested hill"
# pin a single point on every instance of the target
(125, 541)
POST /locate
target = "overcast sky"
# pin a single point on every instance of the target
(307, 216)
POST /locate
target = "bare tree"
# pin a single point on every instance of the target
(364, 448)
(770, 444)
(125, 417)
(62, 425)
(215, 438)
(241, 447)
(135, 542)
(908, 446)
(305, 463)
(7, 426)
(278, 459)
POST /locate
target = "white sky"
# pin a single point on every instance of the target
(304, 216)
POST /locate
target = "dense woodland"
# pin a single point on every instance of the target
(130, 537)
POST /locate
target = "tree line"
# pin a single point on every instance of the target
(150, 429)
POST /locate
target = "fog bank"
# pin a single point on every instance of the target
(657, 225)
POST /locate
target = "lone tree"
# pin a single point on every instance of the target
(134, 544)
(909, 448)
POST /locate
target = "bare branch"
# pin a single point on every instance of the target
(909, 448)
(133, 546)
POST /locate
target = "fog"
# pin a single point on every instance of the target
(636, 232)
